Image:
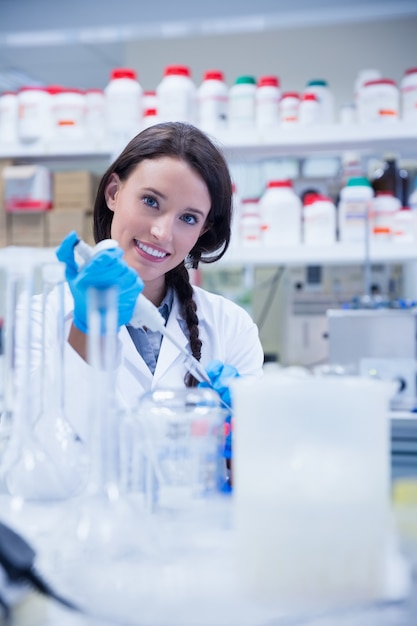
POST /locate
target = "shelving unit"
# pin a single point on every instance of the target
(301, 140)
(247, 146)
(338, 254)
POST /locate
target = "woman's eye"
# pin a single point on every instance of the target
(189, 219)
(150, 201)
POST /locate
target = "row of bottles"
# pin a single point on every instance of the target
(123, 108)
(364, 208)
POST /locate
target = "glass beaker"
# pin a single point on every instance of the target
(184, 438)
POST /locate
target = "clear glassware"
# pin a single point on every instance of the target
(26, 466)
(52, 426)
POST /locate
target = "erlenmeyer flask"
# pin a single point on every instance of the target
(27, 468)
(52, 425)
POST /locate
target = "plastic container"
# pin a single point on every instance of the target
(95, 114)
(321, 89)
(150, 117)
(289, 108)
(68, 113)
(408, 91)
(177, 95)
(355, 209)
(385, 206)
(34, 121)
(212, 102)
(319, 220)
(363, 77)
(281, 213)
(250, 223)
(235, 238)
(242, 103)
(380, 101)
(8, 117)
(309, 112)
(404, 226)
(149, 100)
(296, 526)
(268, 95)
(123, 96)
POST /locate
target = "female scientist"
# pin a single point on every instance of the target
(167, 201)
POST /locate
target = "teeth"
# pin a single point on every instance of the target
(151, 251)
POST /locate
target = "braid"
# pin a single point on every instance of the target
(179, 279)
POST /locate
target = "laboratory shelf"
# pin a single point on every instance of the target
(329, 139)
(337, 254)
(40, 151)
(248, 144)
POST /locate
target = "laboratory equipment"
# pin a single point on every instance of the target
(383, 338)
(311, 489)
(28, 467)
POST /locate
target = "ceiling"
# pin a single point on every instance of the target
(77, 43)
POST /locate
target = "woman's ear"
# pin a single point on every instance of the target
(110, 192)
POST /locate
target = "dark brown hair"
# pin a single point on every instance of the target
(188, 143)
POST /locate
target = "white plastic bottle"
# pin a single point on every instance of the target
(212, 102)
(123, 96)
(236, 218)
(68, 113)
(242, 103)
(385, 206)
(267, 98)
(324, 95)
(250, 223)
(355, 210)
(34, 122)
(95, 115)
(289, 109)
(8, 117)
(363, 77)
(150, 117)
(149, 100)
(380, 101)
(319, 220)
(280, 209)
(177, 95)
(408, 89)
(404, 226)
(309, 111)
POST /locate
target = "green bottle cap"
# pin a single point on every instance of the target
(319, 82)
(248, 80)
(359, 181)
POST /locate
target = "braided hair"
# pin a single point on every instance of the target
(185, 142)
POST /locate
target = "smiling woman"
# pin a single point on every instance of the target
(167, 203)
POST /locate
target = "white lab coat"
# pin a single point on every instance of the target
(227, 332)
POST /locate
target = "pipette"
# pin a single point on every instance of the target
(146, 313)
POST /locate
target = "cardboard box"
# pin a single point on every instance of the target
(61, 222)
(27, 188)
(3, 224)
(75, 190)
(26, 229)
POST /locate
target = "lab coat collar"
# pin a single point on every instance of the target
(168, 355)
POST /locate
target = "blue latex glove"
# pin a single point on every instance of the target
(106, 269)
(219, 374)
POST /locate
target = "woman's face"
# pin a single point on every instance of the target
(159, 213)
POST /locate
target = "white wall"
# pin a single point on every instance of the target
(334, 52)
